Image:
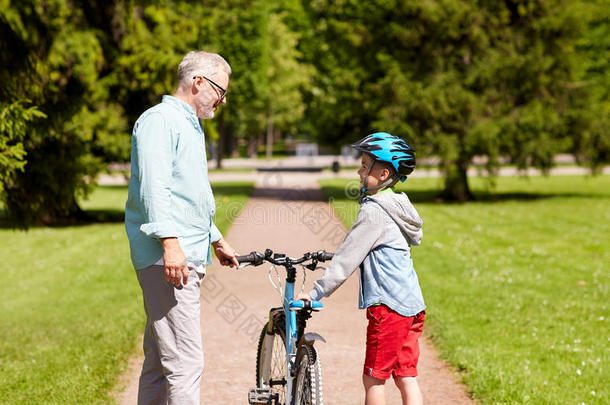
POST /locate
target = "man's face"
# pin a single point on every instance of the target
(209, 96)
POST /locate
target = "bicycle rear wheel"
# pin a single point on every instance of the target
(271, 361)
(308, 383)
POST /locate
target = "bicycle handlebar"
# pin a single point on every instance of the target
(253, 258)
(256, 258)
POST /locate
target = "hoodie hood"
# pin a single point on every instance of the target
(399, 208)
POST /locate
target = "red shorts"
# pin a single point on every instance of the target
(391, 343)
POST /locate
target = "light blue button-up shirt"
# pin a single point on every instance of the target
(169, 190)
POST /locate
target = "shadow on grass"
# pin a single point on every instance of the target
(84, 217)
(433, 195)
(113, 215)
(230, 189)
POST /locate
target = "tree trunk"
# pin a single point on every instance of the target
(252, 146)
(269, 136)
(221, 139)
(456, 183)
(231, 145)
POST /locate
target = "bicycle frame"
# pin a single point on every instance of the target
(290, 320)
(290, 329)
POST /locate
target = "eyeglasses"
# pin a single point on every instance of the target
(223, 92)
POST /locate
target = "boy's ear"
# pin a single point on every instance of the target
(386, 173)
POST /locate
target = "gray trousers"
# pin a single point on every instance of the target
(173, 352)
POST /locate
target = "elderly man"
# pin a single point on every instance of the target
(168, 218)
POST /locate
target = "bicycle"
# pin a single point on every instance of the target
(288, 371)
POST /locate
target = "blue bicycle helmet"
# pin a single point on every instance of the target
(384, 147)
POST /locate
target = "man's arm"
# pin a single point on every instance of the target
(154, 146)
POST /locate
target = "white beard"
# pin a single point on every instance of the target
(207, 111)
(209, 114)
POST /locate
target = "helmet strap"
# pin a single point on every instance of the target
(364, 190)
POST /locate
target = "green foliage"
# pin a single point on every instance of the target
(589, 119)
(13, 127)
(55, 58)
(240, 27)
(286, 74)
(457, 79)
(154, 40)
(517, 79)
(516, 285)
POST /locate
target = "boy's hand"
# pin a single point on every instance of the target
(303, 296)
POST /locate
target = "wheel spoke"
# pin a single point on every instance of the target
(275, 361)
(278, 367)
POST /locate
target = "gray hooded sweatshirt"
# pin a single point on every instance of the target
(379, 243)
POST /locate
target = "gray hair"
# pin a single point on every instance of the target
(200, 62)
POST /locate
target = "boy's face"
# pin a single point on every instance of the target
(379, 173)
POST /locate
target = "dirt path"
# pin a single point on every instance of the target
(235, 305)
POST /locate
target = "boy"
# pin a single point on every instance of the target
(379, 243)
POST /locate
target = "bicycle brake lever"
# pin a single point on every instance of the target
(313, 265)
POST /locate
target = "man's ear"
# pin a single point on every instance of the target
(194, 83)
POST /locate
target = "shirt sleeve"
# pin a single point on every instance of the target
(359, 241)
(215, 234)
(154, 146)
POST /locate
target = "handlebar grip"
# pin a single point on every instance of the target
(247, 258)
(324, 255)
(328, 256)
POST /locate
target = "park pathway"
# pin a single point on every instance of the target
(287, 214)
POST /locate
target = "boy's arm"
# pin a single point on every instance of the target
(360, 240)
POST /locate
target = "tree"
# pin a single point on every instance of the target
(259, 39)
(241, 28)
(287, 77)
(589, 115)
(456, 79)
(52, 61)
(89, 68)
(519, 78)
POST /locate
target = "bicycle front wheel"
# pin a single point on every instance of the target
(308, 385)
(271, 361)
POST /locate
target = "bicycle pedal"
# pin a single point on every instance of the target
(260, 396)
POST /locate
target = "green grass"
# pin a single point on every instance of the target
(517, 285)
(71, 307)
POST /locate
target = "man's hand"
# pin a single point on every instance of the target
(175, 262)
(303, 296)
(225, 253)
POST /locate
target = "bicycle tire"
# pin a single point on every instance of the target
(307, 388)
(271, 365)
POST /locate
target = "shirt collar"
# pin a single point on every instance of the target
(188, 110)
(179, 104)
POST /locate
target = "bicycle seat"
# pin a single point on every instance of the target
(300, 304)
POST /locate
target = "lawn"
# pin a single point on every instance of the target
(516, 284)
(71, 309)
